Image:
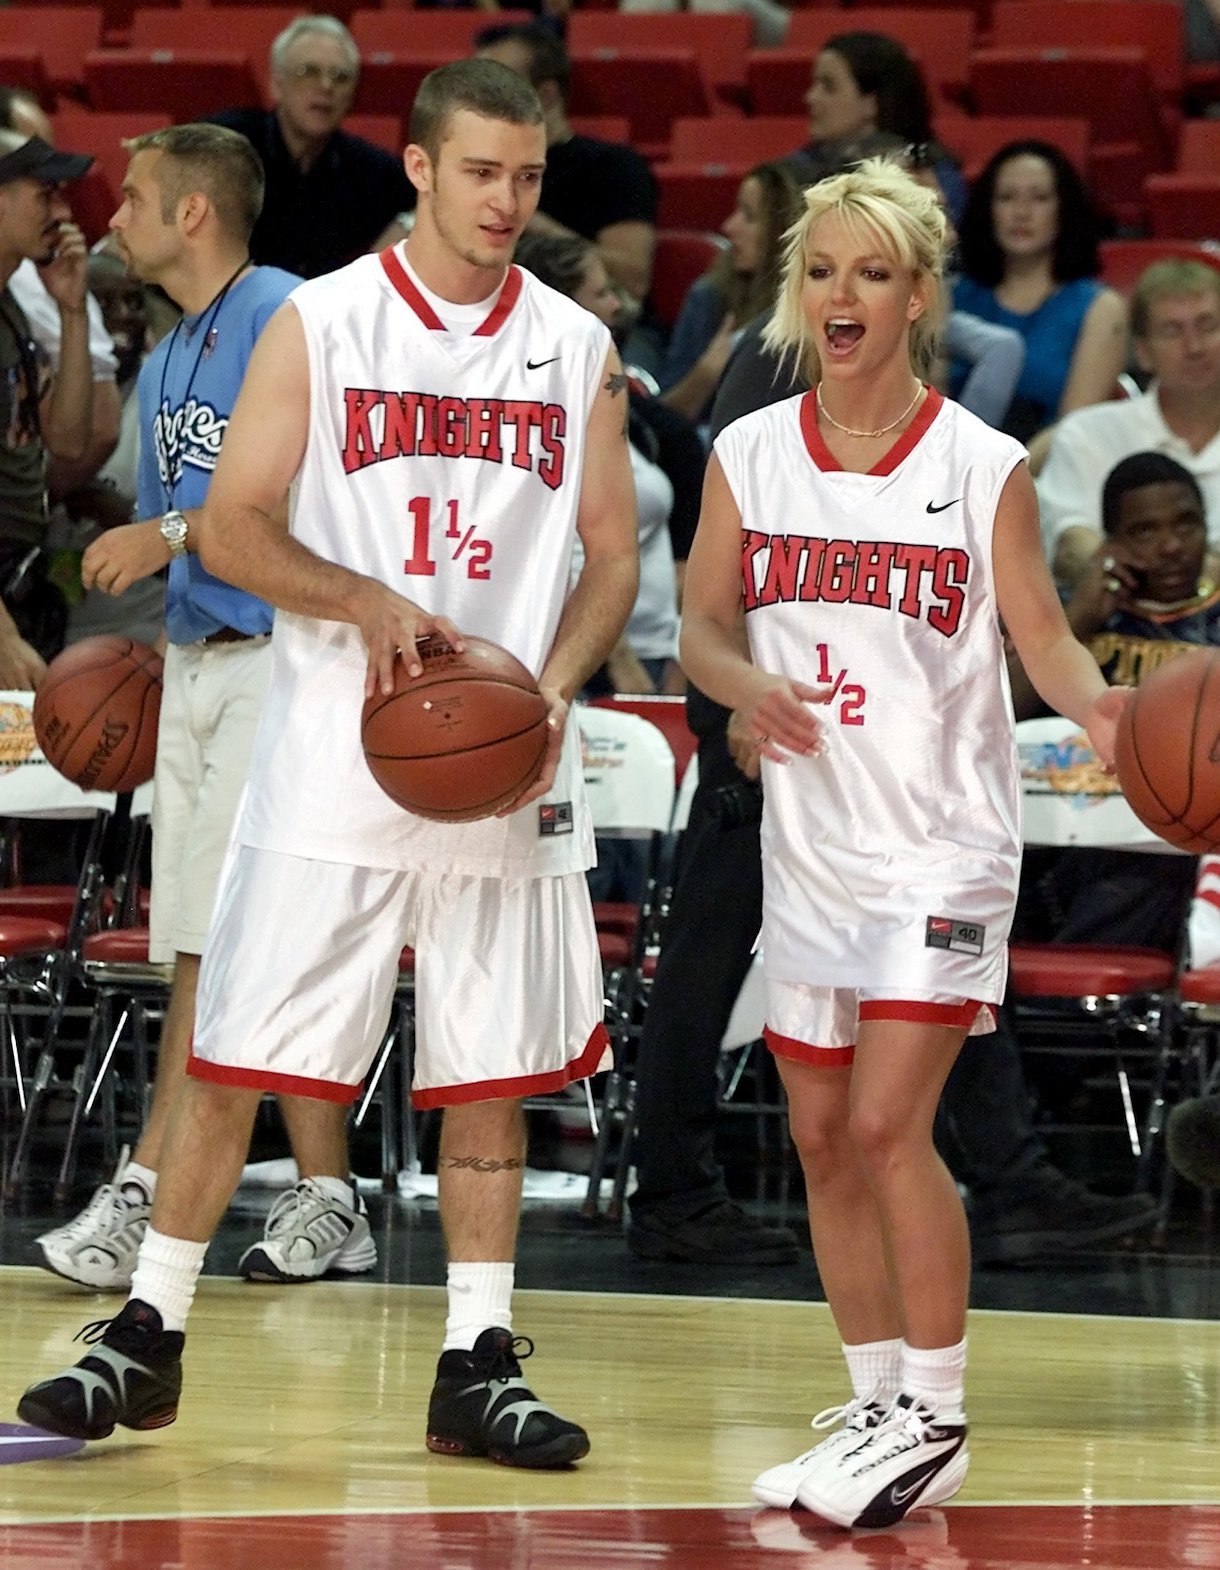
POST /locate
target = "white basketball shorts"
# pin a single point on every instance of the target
(302, 960)
(212, 698)
(819, 1025)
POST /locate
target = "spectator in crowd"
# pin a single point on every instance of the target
(1143, 598)
(107, 500)
(1028, 260)
(40, 415)
(330, 195)
(1175, 332)
(600, 190)
(740, 283)
(22, 113)
(868, 96)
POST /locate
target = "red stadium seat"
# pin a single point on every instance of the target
(26, 69)
(383, 130)
(1112, 88)
(726, 139)
(1184, 206)
(777, 81)
(99, 133)
(721, 41)
(652, 87)
(1122, 261)
(63, 37)
(697, 196)
(250, 28)
(681, 257)
(1199, 147)
(603, 127)
(1150, 25)
(940, 39)
(184, 83)
(401, 29)
(390, 81)
(973, 139)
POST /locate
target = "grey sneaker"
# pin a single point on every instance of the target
(98, 1248)
(309, 1234)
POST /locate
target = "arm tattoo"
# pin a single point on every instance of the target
(616, 382)
(484, 1163)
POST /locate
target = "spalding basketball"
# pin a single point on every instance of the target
(463, 739)
(1168, 751)
(96, 712)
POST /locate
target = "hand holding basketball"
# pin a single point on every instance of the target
(392, 625)
(556, 724)
(1104, 719)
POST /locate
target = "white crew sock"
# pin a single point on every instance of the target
(936, 1376)
(145, 1177)
(875, 1366)
(167, 1269)
(336, 1188)
(480, 1297)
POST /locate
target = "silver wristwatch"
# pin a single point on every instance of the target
(173, 532)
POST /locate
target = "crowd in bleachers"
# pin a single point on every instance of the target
(1070, 141)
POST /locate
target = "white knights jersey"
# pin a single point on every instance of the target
(892, 857)
(448, 467)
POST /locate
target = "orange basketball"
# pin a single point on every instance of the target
(462, 740)
(96, 712)
(1168, 751)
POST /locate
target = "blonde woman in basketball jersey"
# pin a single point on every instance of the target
(873, 535)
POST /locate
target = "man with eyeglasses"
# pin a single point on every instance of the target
(1175, 330)
(330, 196)
(40, 416)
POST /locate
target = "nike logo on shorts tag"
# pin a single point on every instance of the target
(944, 506)
(899, 1496)
(536, 365)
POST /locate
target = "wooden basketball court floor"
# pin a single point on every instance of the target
(299, 1444)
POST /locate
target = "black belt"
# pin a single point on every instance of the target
(231, 635)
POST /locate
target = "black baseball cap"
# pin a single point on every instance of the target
(38, 160)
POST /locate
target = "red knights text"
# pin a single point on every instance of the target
(525, 433)
(922, 581)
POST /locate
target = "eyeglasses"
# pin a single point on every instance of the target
(332, 75)
(1176, 332)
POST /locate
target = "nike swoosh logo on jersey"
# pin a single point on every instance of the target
(944, 506)
(536, 365)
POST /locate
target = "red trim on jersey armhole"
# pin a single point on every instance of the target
(912, 436)
(260, 1079)
(402, 283)
(581, 1067)
(962, 1015)
(806, 1052)
(509, 294)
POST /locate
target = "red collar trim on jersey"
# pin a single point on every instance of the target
(902, 448)
(405, 285)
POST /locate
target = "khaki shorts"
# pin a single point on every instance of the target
(819, 1025)
(301, 964)
(212, 697)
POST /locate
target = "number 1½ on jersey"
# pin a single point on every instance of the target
(461, 543)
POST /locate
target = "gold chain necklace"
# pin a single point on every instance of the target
(885, 429)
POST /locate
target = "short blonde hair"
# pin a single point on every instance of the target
(877, 198)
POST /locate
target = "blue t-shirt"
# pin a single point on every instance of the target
(1050, 335)
(187, 389)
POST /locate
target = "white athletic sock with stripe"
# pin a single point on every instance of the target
(480, 1298)
(144, 1177)
(936, 1376)
(167, 1269)
(875, 1366)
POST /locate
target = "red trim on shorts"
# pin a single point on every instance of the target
(514, 1089)
(807, 1052)
(261, 1079)
(962, 1015)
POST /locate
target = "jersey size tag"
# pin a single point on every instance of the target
(964, 937)
(555, 817)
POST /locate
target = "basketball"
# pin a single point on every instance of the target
(96, 713)
(1168, 751)
(462, 740)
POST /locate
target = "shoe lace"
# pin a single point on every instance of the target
(503, 1364)
(93, 1332)
(292, 1204)
(829, 1416)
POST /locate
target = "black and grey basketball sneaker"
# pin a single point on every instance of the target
(133, 1376)
(481, 1406)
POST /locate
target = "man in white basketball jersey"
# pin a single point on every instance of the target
(448, 425)
(873, 534)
